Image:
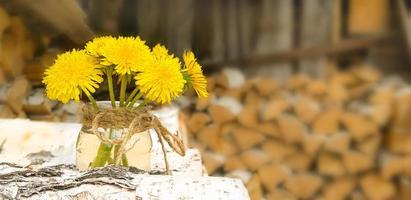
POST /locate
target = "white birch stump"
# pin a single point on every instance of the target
(37, 162)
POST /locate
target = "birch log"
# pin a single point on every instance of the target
(64, 182)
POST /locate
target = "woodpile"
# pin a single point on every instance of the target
(346, 136)
(23, 59)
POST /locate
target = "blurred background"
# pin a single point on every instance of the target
(308, 99)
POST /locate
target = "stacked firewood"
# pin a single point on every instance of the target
(23, 58)
(308, 138)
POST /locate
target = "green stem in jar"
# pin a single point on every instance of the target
(123, 88)
(103, 155)
(109, 73)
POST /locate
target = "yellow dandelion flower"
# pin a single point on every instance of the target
(96, 46)
(72, 73)
(128, 54)
(194, 74)
(162, 80)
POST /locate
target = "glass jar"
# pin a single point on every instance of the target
(116, 146)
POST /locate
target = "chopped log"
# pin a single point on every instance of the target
(213, 162)
(243, 175)
(203, 103)
(306, 109)
(292, 129)
(394, 165)
(12, 61)
(339, 189)
(398, 142)
(280, 194)
(4, 20)
(6, 112)
(36, 103)
(209, 135)
(226, 147)
(402, 111)
(358, 91)
(235, 93)
(45, 118)
(337, 93)
(298, 81)
(274, 109)
(252, 97)
(317, 88)
(269, 129)
(405, 188)
(330, 165)
(359, 126)
(328, 121)
(224, 110)
(370, 145)
(230, 78)
(382, 95)
(246, 138)
(265, 86)
(338, 143)
(343, 78)
(254, 187)
(211, 83)
(365, 72)
(2, 77)
(16, 94)
(357, 162)
(197, 121)
(304, 185)
(278, 150)
(254, 159)
(375, 187)
(234, 163)
(248, 116)
(298, 162)
(272, 175)
(313, 143)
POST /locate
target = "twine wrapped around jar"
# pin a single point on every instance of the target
(132, 121)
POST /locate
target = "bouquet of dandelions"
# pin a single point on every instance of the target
(156, 76)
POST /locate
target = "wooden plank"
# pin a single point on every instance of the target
(345, 46)
(368, 16)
